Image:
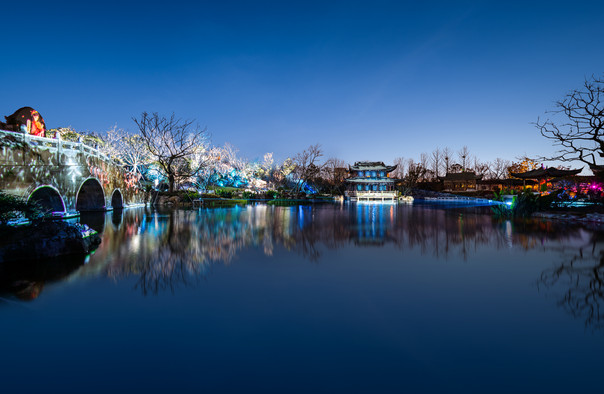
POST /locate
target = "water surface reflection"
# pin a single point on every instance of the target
(329, 298)
(577, 281)
(165, 249)
(161, 244)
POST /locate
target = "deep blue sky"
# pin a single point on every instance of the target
(368, 80)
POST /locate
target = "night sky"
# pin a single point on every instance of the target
(369, 80)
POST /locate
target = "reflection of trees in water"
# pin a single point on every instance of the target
(168, 249)
(313, 228)
(459, 233)
(170, 259)
(444, 232)
(171, 248)
(578, 281)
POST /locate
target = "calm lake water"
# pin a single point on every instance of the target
(330, 298)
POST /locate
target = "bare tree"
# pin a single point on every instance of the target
(334, 170)
(172, 143)
(415, 172)
(424, 161)
(399, 172)
(306, 165)
(499, 168)
(127, 149)
(464, 156)
(436, 161)
(447, 157)
(480, 168)
(578, 125)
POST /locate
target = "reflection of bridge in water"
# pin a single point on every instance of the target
(63, 176)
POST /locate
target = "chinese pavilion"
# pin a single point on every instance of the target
(370, 180)
(545, 175)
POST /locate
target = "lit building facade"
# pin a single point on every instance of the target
(371, 180)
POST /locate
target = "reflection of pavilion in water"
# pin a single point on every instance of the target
(372, 223)
(436, 231)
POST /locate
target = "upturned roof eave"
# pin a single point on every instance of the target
(371, 166)
(370, 180)
(546, 173)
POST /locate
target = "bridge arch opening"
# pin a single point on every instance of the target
(117, 201)
(48, 198)
(90, 196)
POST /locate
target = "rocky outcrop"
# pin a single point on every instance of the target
(46, 240)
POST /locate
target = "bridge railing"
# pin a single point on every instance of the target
(57, 145)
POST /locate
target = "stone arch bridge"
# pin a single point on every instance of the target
(64, 176)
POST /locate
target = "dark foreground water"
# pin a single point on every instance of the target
(342, 298)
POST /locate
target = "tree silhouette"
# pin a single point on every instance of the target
(172, 143)
(578, 125)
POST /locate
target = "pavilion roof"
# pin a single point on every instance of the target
(370, 180)
(371, 166)
(596, 168)
(545, 173)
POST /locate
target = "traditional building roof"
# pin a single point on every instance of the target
(461, 176)
(372, 166)
(596, 169)
(545, 173)
(370, 180)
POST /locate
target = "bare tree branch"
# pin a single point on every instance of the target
(306, 165)
(172, 143)
(577, 126)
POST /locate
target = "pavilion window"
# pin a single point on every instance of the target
(361, 173)
(359, 187)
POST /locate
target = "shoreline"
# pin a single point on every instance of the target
(596, 218)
